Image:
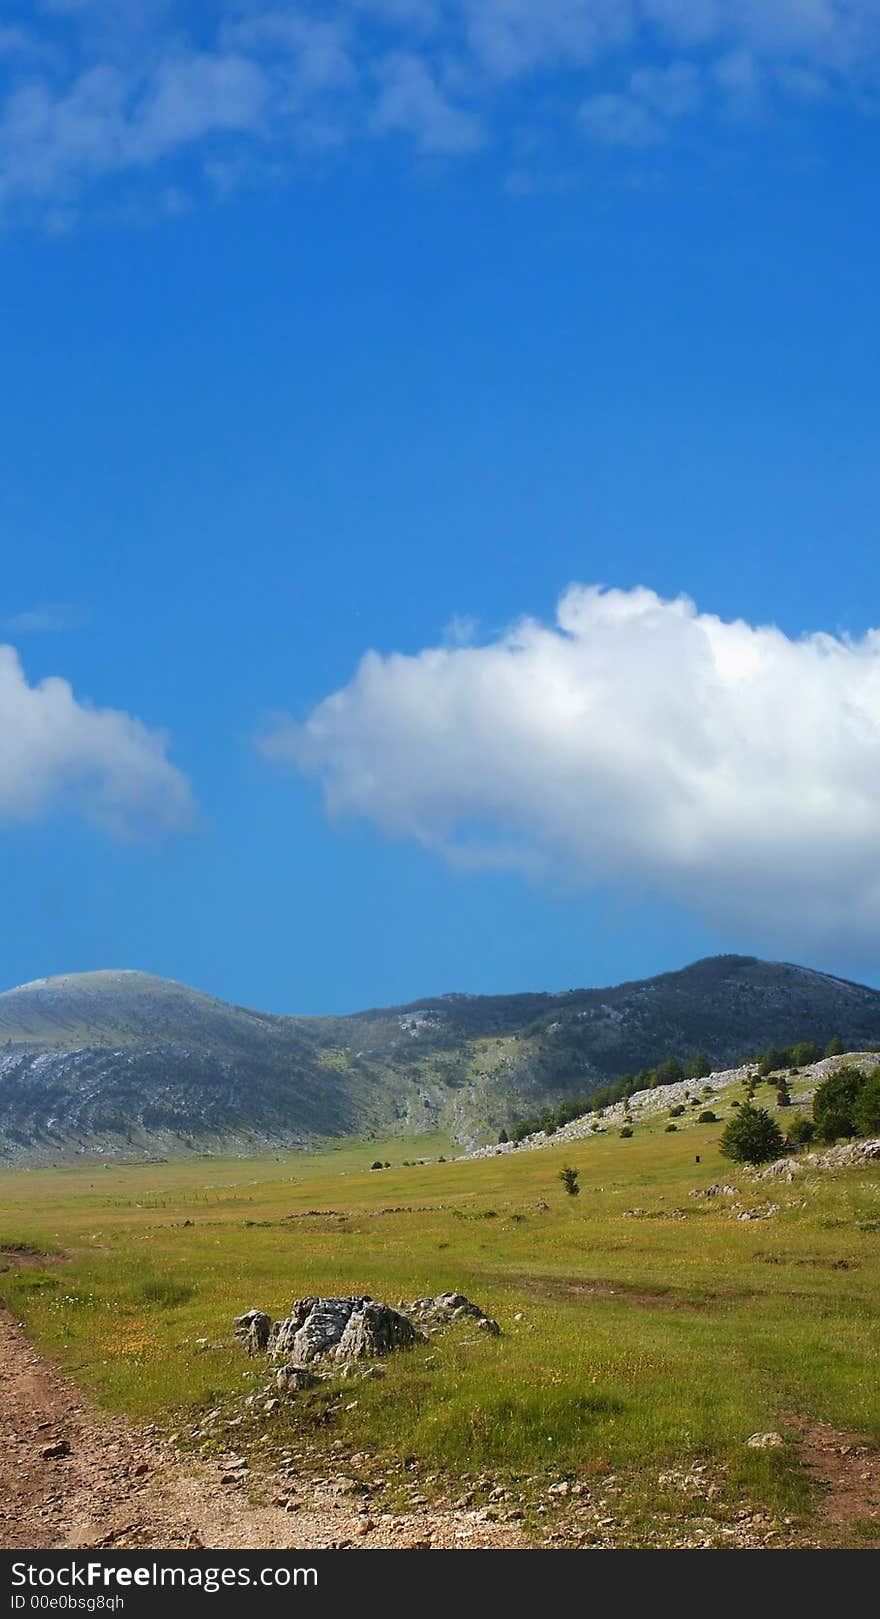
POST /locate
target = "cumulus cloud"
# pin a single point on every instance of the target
(635, 741)
(94, 92)
(57, 752)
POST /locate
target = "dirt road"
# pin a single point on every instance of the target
(70, 1477)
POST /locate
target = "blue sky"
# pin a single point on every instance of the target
(377, 327)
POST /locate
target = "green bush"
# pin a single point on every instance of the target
(569, 1179)
(866, 1111)
(801, 1130)
(627, 1131)
(753, 1137)
(677, 1111)
(671, 1127)
(707, 1117)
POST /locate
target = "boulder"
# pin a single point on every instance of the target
(291, 1379)
(341, 1329)
(253, 1328)
(765, 1441)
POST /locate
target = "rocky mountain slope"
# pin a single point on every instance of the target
(126, 1064)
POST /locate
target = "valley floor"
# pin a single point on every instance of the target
(119, 1485)
(72, 1477)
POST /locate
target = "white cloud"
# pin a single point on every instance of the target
(91, 90)
(635, 741)
(61, 753)
(511, 37)
(410, 100)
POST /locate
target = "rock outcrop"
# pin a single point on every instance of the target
(341, 1329)
(847, 1153)
(328, 1332)
(445, 1308)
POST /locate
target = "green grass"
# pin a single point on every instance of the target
(646, 1340)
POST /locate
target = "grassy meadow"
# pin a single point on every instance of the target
(633, 1344)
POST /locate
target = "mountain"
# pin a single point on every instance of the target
(125, 1064)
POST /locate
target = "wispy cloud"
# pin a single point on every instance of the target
(92, 91)
(634, 741)
(60, 752)
(49, 618)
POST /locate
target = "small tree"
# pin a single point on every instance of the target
(834, 1103)
(866, 1112)
(626, 1132)
(752, 1137)
(668, 1072)
(835, 1047)
(502, 1137)
(801, 1130)
(569, 1179)
(805, 1053)
(699, 1066)
(783, 1094)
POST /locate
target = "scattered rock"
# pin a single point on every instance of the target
(53, 1453)
(253, 1328)
(445, 1308)
(291, 1379)
(765, 1441)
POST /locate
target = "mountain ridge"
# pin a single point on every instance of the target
(122, 1062)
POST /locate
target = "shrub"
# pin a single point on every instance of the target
(783, 1094)
(671, 1127)
(866, 1112)
(377, 1164)
(835, 1047)
(752, 1137)
(677, 1111)
(627, 1131)
(707, 1117)
(569, 1179)
(801, 1130)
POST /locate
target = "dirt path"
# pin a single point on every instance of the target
(69, 1477)
(847, 1472)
